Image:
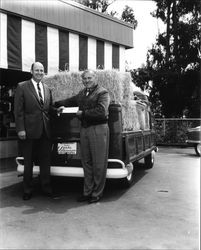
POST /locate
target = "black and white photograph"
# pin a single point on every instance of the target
(100, 124)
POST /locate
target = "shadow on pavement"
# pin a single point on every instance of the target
(67, 190)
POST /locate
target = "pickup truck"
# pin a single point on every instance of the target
(125, 147)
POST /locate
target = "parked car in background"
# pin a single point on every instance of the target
(194, 139)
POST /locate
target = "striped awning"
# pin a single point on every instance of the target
(23, 42)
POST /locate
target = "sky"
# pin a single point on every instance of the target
(146, 32)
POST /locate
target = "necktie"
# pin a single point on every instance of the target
(87, 92)
(40, 95)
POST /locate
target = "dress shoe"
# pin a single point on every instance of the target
(26, 196)
(94, 199)
(84, 198)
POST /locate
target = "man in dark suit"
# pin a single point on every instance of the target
(32, 107)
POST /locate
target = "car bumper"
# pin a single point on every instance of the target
(68, 171)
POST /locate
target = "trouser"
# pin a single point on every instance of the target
(94, 153)
(38, 151)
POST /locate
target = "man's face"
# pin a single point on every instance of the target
(89, 79)
(37, 72)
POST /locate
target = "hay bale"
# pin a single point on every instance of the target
(111, 80)
(64, 84)
(67, 84)
(143, 115)
(135, 116)
(130, 116)
(119, 86)
(127, 83)
(147, 119)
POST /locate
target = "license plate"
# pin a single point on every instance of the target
(67, 148)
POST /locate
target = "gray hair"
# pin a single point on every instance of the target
(91, 71)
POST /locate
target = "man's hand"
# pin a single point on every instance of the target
(22, 135)
(60, 110)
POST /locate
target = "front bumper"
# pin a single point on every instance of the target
(69, 171)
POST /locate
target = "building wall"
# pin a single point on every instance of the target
(74, 17)
(24, 41)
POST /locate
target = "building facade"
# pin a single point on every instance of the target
(61, 34)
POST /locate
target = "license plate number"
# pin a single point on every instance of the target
(67, 148)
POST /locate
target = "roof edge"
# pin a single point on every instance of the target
(106, 16)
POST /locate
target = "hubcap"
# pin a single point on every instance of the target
(130, 170)
(199, 148)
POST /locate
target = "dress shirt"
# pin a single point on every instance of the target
(36, 88)
(90, 90)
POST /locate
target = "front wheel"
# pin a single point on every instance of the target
(198, 149)
(149, 160)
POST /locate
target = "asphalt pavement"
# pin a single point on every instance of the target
(159, 211)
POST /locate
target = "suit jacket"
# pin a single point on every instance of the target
(94, 106)
(29, 114)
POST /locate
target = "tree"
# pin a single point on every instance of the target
(102, 6)
(128, 16)
(99, 5)
(173, 62)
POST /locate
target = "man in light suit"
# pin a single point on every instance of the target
(32, 107)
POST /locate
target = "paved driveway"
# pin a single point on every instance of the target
(159, 211)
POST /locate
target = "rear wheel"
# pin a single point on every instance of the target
(128, 180)
(198, 149)
(149, 160)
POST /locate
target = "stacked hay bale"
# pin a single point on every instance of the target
(64, 84)
(118, 84)
(110, 80)
(130, 116)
